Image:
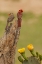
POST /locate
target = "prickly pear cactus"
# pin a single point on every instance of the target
(32, 60)
(36, 58)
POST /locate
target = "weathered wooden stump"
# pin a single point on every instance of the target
(10, 38)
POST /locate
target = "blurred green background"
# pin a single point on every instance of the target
(31, 30)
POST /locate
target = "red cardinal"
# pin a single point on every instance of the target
(19, 16)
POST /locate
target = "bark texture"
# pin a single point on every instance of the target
(10, 38)
(8, 44)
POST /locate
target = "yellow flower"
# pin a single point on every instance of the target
(22, 50)
(30, 47)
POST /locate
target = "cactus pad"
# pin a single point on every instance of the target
(32, 60)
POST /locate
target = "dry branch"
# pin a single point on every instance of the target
(8, 43)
